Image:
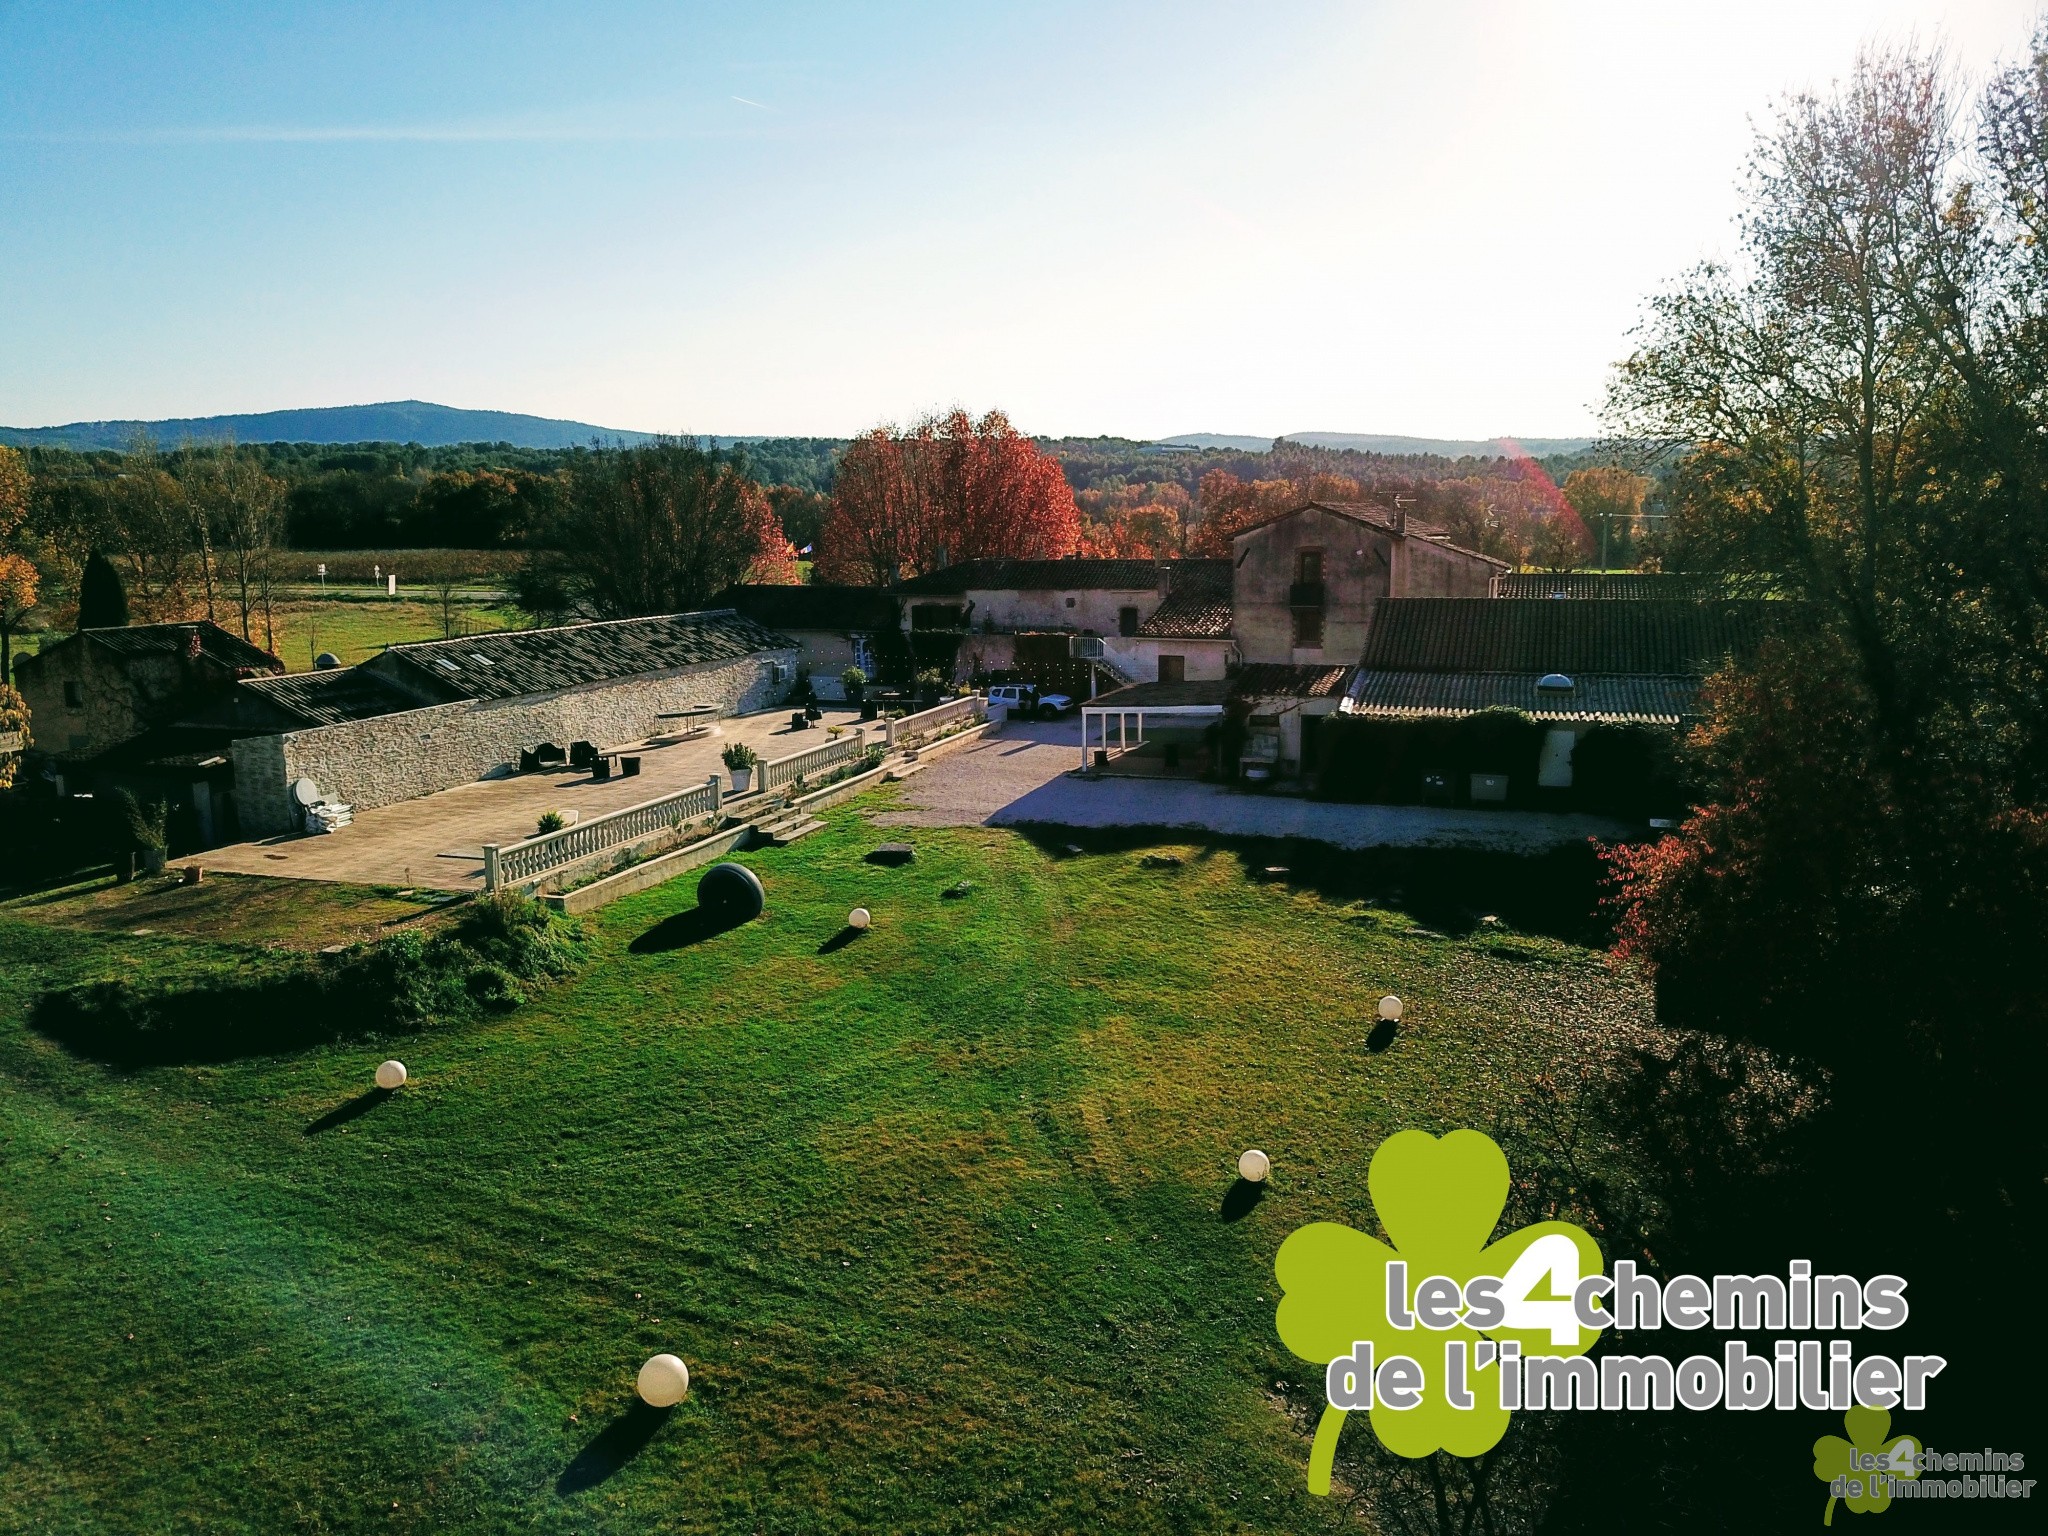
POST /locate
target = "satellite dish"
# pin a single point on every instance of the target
(1554, 682)
(326, 661)
(305, 792)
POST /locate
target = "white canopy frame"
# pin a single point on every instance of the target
(1095, 723)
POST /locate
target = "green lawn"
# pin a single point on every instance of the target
(354, 627)
(933, 1216)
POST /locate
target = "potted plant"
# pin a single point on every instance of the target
(929, 681)
(550, 821)
(740, 759)
(853, 682)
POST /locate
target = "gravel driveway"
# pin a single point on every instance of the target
(1019, 777)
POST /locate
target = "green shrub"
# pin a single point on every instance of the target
(739, 755)
(550, 821)
(501, 949)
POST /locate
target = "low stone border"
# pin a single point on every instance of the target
(640, 877)
(754, 807)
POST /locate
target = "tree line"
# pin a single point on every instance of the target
(1843, 932)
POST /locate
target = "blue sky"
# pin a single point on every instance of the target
(1432, 218)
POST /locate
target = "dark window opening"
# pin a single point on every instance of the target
(1308, 629)
(74, 696)
(1127, 621)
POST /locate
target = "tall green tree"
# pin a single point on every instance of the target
(1865, 407)
(102, 599)
(661, 528)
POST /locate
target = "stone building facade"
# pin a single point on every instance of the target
(1305, 583)
(99, 688)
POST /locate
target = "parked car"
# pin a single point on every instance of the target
(1027, 703)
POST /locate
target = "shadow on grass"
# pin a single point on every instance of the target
(680, 930)
(1382, 1036)
(618, 1443)
(1242, 1200)
(1556, 893)
(354, 1109)
(840, 940)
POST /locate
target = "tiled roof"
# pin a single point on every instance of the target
(1198, 608)
(1594, 698)
(1610, 586)
(1373, 514)
(1277, 680)
(848, 609)
(1035, 576)
(506, 664)
(215, 644)
(327, 698)
(1538, 635)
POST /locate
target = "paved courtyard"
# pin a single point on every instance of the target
(437, 841)
(1019, 777)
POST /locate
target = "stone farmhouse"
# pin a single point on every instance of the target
(101, 687)
(1154, 619)
(428, 716)
(190, 715)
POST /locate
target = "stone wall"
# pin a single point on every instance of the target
(368, 763)
(1202, 660)
(1357, 571)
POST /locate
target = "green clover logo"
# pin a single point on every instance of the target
(1833, 1458)
(1439, 1200)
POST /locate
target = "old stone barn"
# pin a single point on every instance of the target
(226, 738)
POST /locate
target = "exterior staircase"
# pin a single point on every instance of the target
(780, 826)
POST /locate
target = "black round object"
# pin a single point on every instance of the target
(732, 891)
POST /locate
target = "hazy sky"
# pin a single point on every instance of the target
(1433, 216)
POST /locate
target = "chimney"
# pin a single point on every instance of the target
(1401, 516)
(1166, 578)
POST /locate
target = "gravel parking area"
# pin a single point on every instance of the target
(1019, 777)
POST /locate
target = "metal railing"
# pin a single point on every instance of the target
(779, 771)
(912, 729)
(528, 860)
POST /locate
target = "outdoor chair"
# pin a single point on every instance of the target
(582, 754)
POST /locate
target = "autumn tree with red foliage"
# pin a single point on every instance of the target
(951, 488)
(1134, 522)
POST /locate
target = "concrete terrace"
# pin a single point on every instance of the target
(436, 842)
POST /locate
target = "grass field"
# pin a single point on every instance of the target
(356, 630)
(937, 1216)
(354, 627)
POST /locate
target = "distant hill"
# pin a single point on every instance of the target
(395, 421)
(1374, 442)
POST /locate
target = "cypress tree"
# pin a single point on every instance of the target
(102, 600)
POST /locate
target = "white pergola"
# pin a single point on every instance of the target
(1095, 722)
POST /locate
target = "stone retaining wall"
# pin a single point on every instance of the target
(367, 763)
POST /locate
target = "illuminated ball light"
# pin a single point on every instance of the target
(664, 1381)
(1253, 1166)
(391, 1075)
(1390, 1008)
(859, 917)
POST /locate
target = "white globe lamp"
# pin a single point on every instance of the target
(859, 917)
(1390, 1008)
(664, 1381)
(1253, 1166)
(391, 1075)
